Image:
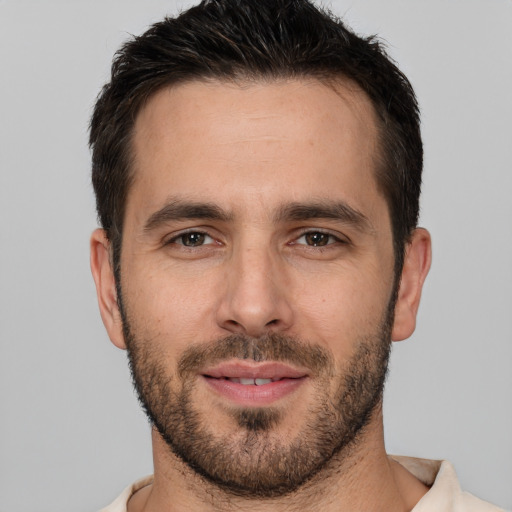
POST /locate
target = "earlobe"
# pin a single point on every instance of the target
(417, 261)
(103, 275)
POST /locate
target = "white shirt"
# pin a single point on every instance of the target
(445, 494)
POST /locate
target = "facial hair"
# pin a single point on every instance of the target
(254, 461)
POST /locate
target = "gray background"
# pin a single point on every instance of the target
(71, 432)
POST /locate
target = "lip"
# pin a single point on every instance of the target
(285, 380)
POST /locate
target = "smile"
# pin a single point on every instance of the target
(251, 382)
(253, 385)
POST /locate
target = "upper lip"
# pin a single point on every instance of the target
(253, 370)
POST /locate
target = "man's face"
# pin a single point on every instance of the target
(257, 276)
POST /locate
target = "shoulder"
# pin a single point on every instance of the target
(445, 494)
(121, 502)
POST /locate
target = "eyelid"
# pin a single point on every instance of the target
(338, 237)
(176, 236)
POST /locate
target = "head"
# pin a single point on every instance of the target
(231, 41)
(257, 174)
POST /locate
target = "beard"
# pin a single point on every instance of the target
(253, 460)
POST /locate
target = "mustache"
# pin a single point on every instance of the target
(270, 347)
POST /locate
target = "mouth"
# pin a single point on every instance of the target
(254, 384)
(251, 382)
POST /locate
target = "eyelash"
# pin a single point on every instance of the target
(174, 239)
(333, 239)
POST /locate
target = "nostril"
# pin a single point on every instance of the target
(271, 323)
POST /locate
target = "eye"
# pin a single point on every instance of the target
(192, 239)
(317, 239)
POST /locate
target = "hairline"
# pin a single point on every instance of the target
(334, 81)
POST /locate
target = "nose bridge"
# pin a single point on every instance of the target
(253, 271)
(255, 300)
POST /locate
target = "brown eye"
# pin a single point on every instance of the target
(193, 239)
(317, 239)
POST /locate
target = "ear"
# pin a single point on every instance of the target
(418, 256)
(101, 267)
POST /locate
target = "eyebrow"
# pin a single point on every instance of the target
(338, 210)
(178, 209)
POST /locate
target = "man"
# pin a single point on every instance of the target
(257, 170)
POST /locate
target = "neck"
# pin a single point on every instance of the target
(360, 478)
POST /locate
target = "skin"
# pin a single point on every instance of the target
(251, 150)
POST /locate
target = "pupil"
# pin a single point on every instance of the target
(317, 239)
(193, 239)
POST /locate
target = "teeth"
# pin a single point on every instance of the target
(251, 382)
(261, 382)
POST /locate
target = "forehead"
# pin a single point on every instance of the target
(263, 141)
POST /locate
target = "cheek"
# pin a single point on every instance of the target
(342, 308)
(170, 308)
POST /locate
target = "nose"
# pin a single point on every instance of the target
(255, 294)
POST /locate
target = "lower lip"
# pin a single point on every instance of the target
(252, 395)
